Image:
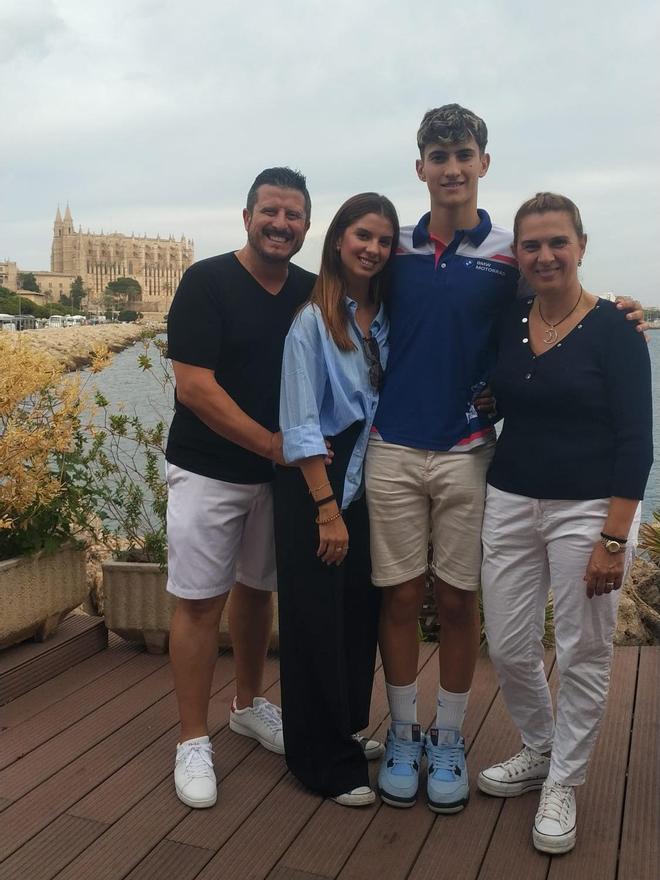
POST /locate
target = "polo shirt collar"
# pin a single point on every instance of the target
(477, 235)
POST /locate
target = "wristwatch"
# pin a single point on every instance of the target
(611, 544)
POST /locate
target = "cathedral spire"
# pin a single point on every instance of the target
(67, 214)
(58, 216)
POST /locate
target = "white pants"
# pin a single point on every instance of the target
(529, 547)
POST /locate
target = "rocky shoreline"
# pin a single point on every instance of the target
(74, 346)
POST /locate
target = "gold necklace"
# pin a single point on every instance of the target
(551, 336)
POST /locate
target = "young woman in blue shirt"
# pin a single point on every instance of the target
(334, 357)
(573, 383)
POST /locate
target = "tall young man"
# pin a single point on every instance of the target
(427, 460)
(226, 333)
(426, 465)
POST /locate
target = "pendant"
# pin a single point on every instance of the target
(550, 336)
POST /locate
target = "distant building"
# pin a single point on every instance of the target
(157, 264)
(8, 274)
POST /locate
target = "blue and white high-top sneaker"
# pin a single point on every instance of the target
(448, 789)
(398, 777)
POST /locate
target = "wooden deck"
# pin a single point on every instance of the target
(86, 788)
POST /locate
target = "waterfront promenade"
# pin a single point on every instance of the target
(73, 346)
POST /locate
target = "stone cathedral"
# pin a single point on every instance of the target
(156, 263)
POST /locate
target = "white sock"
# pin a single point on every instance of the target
(403, 708)
(451, 709)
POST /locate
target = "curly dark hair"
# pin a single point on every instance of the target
(451, 124)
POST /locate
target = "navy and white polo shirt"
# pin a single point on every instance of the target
(446, 300)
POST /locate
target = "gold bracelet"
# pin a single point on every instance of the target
(322, 522)
(318, 488)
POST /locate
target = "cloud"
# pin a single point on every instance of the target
(155, 116)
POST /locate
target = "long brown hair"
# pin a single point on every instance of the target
(330, 287)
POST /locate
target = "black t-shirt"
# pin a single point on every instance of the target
(222, 319)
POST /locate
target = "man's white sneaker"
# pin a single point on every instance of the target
(371, 747)
(555, 825)
(194, 778)
(358, 797)
(523, 772)
(261, 721)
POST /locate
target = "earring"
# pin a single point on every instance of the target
(579, 262)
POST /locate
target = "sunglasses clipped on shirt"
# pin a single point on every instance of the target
(372, 355)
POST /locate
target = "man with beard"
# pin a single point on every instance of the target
(226, 333)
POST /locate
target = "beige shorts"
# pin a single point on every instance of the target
(218, 533)
(414, 495)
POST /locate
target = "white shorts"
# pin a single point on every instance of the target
(218, 533)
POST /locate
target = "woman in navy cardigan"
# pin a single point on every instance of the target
(573, 383)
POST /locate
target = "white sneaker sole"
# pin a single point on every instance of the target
(374, 754)
(508, 789)
(355, 800)
(198, 804)
(554, 845)
(236, 726)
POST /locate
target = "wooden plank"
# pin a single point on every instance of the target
(121, 848)
(285, 811)
(52, 756)
(640, 837)
(108, 801)
(67, 682)
(26, 652)
(131, 838)
(600, 801)
(327, 841)
(460, 842)
(171, 861)
(25, 737)
(244, 789)
(51, 850)
(510, 849)
(51, 658)
(280, 872)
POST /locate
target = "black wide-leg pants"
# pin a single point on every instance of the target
(328, 632)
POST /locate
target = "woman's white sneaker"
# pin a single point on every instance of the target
(357, 797)
(371, 747)
(194, 778)
(555, 825)
(523, 772)
(261, 721)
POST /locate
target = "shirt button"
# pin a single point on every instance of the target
(443, 265)
(528, 375)
(559, 345)
(525, 339)
(524, 320)
(579, 326)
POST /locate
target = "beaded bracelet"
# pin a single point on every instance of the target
(322, 522)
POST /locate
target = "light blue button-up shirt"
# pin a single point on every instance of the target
(325, 390)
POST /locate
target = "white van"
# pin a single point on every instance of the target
(8, 322)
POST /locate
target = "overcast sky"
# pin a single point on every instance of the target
(154, 116)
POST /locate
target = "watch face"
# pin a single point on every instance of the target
(612, 546)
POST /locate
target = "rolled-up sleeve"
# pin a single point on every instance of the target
(302, 388)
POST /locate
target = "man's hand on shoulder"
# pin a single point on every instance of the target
(634, 312)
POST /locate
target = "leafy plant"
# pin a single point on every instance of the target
(46, 496)
(124, 457)
(649, 538)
